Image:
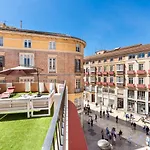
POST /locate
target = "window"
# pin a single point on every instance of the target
(93, 62)
(99, 79)
(27, 43)
(120, 79)
(111, 79)
(141, 95)
(87, 69)
(99, 69)
(1, 41)
(141, 67)
(105, 90)
(130, 94)
(131, 67)
(99, 61)
(52, 65)
(105, 68)
(26, 79)
(105, 60)
(148, 54)
(141, 55)
(111, 68)
(131, 56)
(52, 45)
(120, 58)
(78, 48)
(111, 91)
(77, 65)
(87, 62)
(120, 67)
(26, 59)
(111, 59)
(141, 80)
(130, 80)
(105, 79)
(2, 62)
(78, 84)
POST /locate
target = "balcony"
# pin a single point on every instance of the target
(111, 73)
(141, 72)
(120, 84)
(78, 90)
(120, 72)
(141, 86)
(111, 84)
(99, 73)
(105, 73)
(131, 96)
(86, 73)
(104, 83)
(131, 72)
(99, 83)
(92, 73)
(149, 86)
(130, 85)
(86, 83)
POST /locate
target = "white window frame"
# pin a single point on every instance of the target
(131, 80)
(120, 79)
(23, 56)
(141, 95)
(130, 93)
(130, 67)
(28, 45)
(26, 79)
(78, 83)
(52, 45)
(53, 64)
(120, 67)
(141, 66)
(141, 80)
(1, 41)
(78, 48)
(111, 79)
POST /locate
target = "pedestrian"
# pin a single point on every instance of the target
(104, 113)
(134, 125)
(96, 117)
(107, 115)
(96, 104)
(91, 122)
(100, 114)
(127, 116)
(102, 132)
(147, 130)
(107, 132)
(120, 134)
(116, 119)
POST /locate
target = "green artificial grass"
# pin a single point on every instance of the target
(19, 133)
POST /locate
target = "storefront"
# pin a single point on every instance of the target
(140, 107)
(119, 102)
(131, 105)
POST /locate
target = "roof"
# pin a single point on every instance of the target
(13, 29)
(119, 52)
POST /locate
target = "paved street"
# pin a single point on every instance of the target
(92, 135)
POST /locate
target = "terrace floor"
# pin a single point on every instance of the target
(19, 133)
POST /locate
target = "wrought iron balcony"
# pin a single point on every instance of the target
(131, 72)
(111, 84)
(121, 84)
(99, 83)
(105, 73)
(141, 86)
(111, 73)
(130, 85)
(99, 73)
(86, 82)
(105, 83)
(141, 72)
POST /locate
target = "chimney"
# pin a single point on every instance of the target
(21, 24)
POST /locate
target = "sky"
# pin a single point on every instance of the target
(103, 24)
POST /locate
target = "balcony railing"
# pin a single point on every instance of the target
(99, 73)
(86, 82)
(131, 72)
(99, 83)
(78, 90)
(121, 84)
(111, 84)
(105, 83)
(92, 73)
(141, 72)
(57, 135)
(141, 86)
(129, 85)
(131, 96)
(86, 73)
(111, 73)
(105, 73)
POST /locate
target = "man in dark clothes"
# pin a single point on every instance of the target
(116, 119)
(147, 130)
(91, 122)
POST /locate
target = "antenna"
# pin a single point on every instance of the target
(21, 24)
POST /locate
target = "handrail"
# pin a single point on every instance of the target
(51, 131)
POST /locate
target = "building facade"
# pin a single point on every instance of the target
(60, 57)
(119, 78)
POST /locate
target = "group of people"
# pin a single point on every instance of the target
(111, 135)
(102, 113)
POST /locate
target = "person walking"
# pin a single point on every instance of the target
(104, 113)
(100, 114)
(134, 125)
(95, 117)
(107, 133)
(120, 134)
(116, 119)
(91, 122)
(108, 115)
(147, 130)
(102, 133)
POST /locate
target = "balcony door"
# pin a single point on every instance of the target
(93, 98)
